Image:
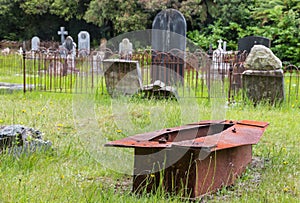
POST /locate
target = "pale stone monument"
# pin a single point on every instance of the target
(35, 43)
(125, 49)
(84, 43)
(62, 32)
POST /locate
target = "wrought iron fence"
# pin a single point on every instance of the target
(56, 71)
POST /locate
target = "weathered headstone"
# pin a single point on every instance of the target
(122, 77)
(70, 47)
(263, 80)
(125, 49)
(35, 43)
(69, 43)
(84, 43)
(174, 24)
(168, 33)
(62, 32)
(97, 59)
(246, 43)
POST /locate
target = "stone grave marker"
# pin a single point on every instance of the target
(62, 32)
(125, 49)
(168, 33)
(97, 58)
(122, 77)
(69, 46)
(35, 43)
(263, 79)
(246, 43)
(217, 60)
(84, 43)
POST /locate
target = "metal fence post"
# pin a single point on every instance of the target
(24, 70)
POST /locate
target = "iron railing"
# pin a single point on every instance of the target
(56, 71)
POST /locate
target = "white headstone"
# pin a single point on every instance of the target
(84, 42)
(35, 43)
(125, 49)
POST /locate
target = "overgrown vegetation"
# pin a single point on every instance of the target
(71, 173)
(207, 20)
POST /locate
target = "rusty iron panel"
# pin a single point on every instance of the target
(194, 159)
(207, 134)
(188, 176)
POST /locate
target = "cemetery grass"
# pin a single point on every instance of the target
(69, 173)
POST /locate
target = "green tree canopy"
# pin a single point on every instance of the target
(208, 20)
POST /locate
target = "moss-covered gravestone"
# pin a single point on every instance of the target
(263, 78)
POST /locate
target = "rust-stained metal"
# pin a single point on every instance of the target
(194, 159)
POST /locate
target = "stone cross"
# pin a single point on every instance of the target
(62, 34)
(220, 44)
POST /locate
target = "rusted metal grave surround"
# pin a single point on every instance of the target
(194, 159)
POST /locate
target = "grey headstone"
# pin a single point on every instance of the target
(35, 43)
(168, 33)
(263, 79)
(246, 43)
(172, 21)
(84, 42)
(68, 43)
(122, 77)
(266, 86)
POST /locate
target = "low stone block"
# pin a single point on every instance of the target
(264, 85)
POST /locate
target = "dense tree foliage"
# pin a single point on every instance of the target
(275, 19)
(207, 20)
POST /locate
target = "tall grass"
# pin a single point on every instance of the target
(77, 170)
(70, 172)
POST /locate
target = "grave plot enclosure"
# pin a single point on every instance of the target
(194, 159)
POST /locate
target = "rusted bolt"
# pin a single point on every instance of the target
(162, 140)
(234, 130)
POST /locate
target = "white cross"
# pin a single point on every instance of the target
(62, 34)
(220, 43)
